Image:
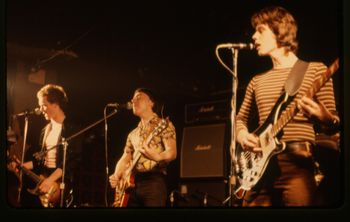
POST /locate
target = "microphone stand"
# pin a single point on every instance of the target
(106, 153)
(232, 178)
(64, 142)
(62, 185)
(22, 158)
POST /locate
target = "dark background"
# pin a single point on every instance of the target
(167, 46)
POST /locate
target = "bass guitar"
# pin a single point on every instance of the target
(250, 166)
(127, 182)
(49, 199)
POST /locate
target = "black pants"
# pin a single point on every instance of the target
(288, 180)
(150, 190)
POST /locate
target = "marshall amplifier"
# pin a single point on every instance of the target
(203, 151)
(207, 111)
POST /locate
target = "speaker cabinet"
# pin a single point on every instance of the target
(202, 151)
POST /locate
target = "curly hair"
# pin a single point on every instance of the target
(282, 24)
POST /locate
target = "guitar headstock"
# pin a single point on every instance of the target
(14, 165)
(162, 125)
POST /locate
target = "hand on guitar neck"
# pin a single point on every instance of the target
(315, 109)
(151, 154)
(14, 165)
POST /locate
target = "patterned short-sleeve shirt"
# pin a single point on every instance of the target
(141, 134)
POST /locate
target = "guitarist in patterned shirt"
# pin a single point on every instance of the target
(289, 177)
(146, 186)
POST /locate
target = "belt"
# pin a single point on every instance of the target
(299, 146)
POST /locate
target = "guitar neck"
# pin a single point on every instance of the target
(162, 125)
(30, 174)
(137, 155)
(293, 109)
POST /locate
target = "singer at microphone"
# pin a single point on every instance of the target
(36, 111)
(62, 162)
(127, 106)
(150, 160)
(236, 46)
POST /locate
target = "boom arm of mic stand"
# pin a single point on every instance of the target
(40, 154)
(92, 125)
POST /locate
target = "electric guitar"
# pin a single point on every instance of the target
(127, 182)
(250, 166)
(49, 199)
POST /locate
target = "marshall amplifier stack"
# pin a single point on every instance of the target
(208, 111)
(204, 151)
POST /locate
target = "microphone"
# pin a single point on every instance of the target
(128, 105)
(236, 46)
(36, 111)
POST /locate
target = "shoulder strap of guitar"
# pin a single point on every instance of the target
(295, 77)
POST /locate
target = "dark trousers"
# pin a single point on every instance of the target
(288, 180)
(150, 190)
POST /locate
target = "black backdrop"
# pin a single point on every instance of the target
(167, 46)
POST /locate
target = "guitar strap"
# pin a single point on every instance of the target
(293, 82)
(295, 77)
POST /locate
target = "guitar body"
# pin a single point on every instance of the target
(251, 166)
(49, 199)
(121, 195)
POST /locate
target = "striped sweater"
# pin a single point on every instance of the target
(267, 87)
